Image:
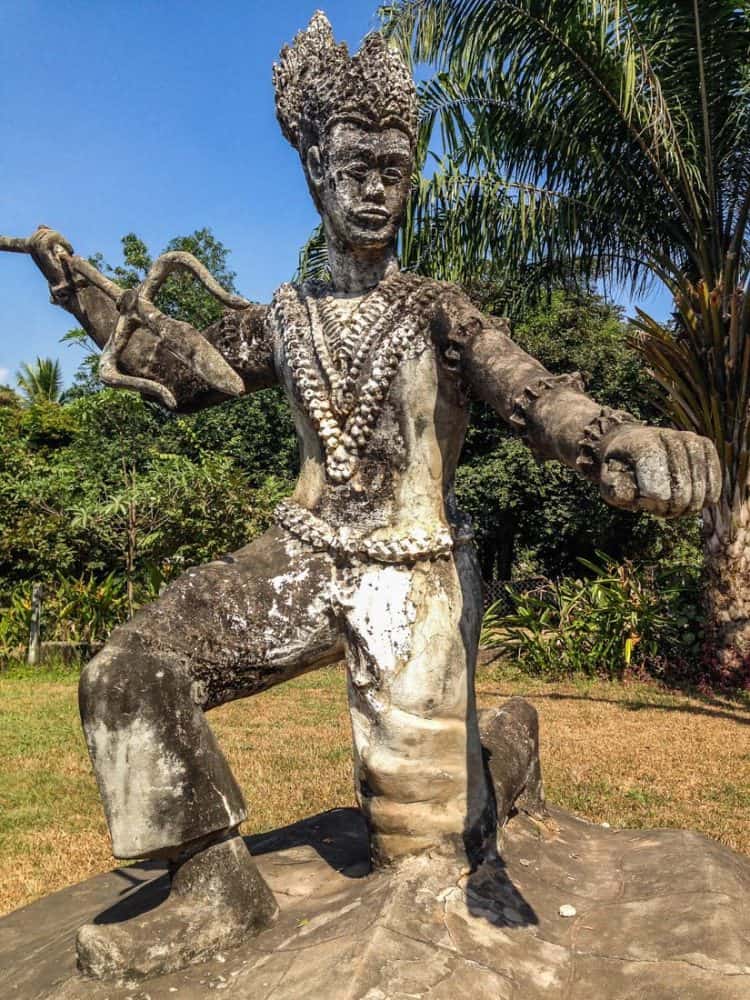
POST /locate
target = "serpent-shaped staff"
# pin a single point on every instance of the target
(136, 309)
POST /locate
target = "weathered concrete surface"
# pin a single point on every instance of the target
(661, 915)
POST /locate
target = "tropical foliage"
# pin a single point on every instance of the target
(41, 381)
(617, 617)
(606, 140)
(105, 497)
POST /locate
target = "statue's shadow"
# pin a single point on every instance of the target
(491, 895)
(339, 838)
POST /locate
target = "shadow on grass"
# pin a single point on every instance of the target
(713, 709)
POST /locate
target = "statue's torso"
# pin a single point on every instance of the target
(378, 449)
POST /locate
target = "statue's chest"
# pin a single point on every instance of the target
(341, 362)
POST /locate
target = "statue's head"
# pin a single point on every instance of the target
(353, 121)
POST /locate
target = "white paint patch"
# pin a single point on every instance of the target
(381, 614)
(224, 799)
(281, 583)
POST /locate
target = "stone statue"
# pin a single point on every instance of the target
(369, 559)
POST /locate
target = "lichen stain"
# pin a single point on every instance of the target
(140, 780)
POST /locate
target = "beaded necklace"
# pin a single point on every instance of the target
(344, 401)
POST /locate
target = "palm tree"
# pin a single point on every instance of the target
(41, 381)
(611, 140)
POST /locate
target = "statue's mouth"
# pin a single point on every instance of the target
(371, 216)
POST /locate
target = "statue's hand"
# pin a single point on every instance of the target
(50, 252)
(666, 472)
(154, 354)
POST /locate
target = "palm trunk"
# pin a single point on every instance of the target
(727, 580)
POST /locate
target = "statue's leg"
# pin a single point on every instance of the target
(412, 634)
(222, 631)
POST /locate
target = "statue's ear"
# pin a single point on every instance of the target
(314, 163)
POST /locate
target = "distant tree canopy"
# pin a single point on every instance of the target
(71, 475)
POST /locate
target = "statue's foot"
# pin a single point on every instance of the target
(218, 898)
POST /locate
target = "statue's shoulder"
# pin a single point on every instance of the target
(441, 295)
(287, 305)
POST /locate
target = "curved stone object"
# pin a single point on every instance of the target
(659, 914)
(510, 746)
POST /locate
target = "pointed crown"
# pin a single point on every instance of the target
(318, 83)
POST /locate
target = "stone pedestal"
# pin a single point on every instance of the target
(663, 915)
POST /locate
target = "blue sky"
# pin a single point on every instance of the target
(149, 117)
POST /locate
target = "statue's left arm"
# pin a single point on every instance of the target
(637, 467)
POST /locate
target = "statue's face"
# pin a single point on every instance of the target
(361, 181)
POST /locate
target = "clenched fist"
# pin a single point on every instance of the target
(666, 472)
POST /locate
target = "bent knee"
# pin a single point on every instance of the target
(125, 678)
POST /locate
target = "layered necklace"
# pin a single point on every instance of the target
(342, 369)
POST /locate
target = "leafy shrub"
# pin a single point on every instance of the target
(15, 619)
(620, 617)
(79, 610)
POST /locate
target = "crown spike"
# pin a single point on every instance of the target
(317, 82)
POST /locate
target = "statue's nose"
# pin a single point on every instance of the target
(374, 187)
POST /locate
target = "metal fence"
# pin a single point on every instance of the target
(502, 591)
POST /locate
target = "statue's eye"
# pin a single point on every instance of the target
(358, 170)
(392, 175)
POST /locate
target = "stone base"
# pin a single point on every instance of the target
(662, 915)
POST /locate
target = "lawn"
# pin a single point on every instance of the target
(630, 755)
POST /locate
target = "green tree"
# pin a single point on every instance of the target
(8, 397)
(158, 500)
(608, 140)
(41, 381)
(108, 494)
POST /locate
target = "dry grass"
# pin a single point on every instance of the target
(632, 755)
(628, 755)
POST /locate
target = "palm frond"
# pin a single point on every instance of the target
(607, 139)
(313, 258)
(41, 381)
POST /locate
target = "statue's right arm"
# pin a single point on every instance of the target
(161, 351)
(241, 337)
